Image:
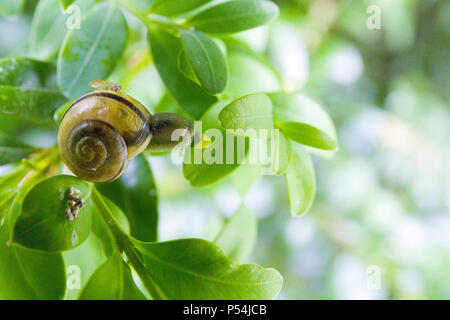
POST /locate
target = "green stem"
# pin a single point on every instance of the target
(126, 246)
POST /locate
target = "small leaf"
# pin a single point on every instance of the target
(234, 16)
(92, 51)
(237, 237)
(197, 269)
(206, 59)
(306, 134)
(281, 154)
(253, 112)
(12, 150)
(66, 3)
(304, 121)
(165, 49)
(206, 166)
(112, 281)
(26, 274)
(44, 223)
(301, 181)
(135, 193)
(174, 7)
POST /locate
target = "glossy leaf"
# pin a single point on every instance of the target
(234, 16)
(31, 104)
(197, 269)
(206, 166)
(206, 59)
(26, 274)
(184, 65)
(165, 49)
(101, 229)
(174, 7)
(92, 51)
(135, 193)
(43, 223)
(304, 121)
(12, 150)
(27, 73)
(307, 135)
(28, 89)
(48, 29)
(112, 281)
(252, 112)
(237, 237)
(300, 181)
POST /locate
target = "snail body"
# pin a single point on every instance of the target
(103, 130)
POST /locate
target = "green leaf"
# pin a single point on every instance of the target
(237, 237)
(26, 274)
(10, 7)
(197, 269)
(28, 89)
(12, 150)
(205, 166)
(66, 3)
(30, 103)
(101, 229)
(49, 27)
(184, 65)
(234, 16)
(206, 59)
(281, 154)
(300, 181)
(79, 267)
(92, 51)
(307, 135)
(304, 121)
(174, 7)
(27, 73)
(252, 112)
(165, 49)
(135, 193)
(112, 281)
(44, 223)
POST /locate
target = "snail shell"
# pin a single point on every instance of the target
(101, 132)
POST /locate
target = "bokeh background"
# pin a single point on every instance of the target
(380, 225)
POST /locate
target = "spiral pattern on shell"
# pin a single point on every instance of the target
(101, 132)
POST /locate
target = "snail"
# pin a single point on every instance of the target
(103, 130)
